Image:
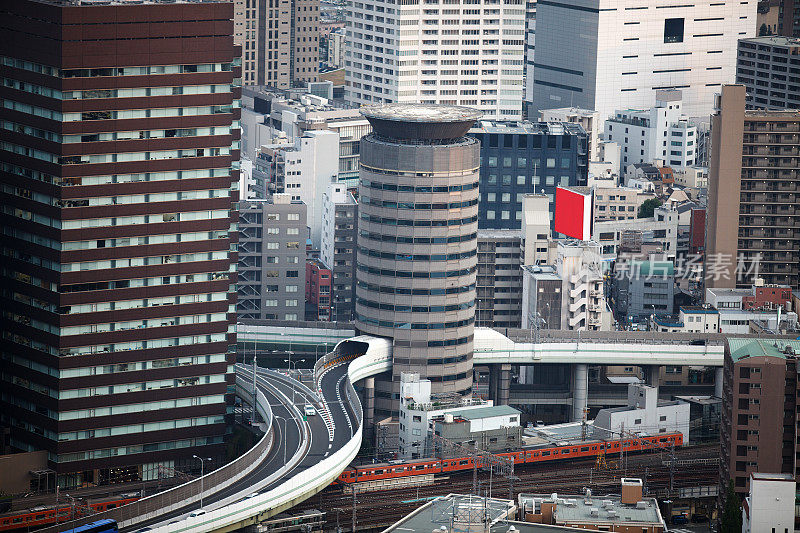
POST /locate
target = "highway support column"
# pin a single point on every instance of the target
(580, 390)
(369, 406)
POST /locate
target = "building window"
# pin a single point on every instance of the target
(673, 30)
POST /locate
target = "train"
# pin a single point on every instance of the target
(100, 526)
(591, 448)
(43, 516)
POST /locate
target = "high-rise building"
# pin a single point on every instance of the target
(769, 68)
(753, 225)
(522, 158)
(119, 171)
(530, 51)
(614, 54)
(499, 282)
(417, 243)
(272, 257)
(759, 409)
(468, 54)
(279, 40)
(338, 248)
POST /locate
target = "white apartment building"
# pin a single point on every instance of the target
(418, 407)
(458, 52)
(608, 54)
(662, 228)
(303, 170)
(643, 414)
(662, 133)
(590, 120)
(770, 506)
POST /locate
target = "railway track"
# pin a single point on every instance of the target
(382, 508)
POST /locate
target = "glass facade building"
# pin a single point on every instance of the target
(519, 158)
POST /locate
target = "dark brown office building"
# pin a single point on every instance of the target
(119, 142)
(753, 195)
(759, 409)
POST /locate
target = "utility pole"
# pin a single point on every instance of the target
(671, 467)
(255, 391)
(354, 509)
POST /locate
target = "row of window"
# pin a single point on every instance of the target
(183, 216)
(416, 257)
(149, 239)
(141, 448)
(366, 200)
(418, 275)
(415, 292)
(380, 237)
(120, 178)
(416, 308)
(145, 261)
(415, 325)
(161, 425)
(387, 221)
(418, 189)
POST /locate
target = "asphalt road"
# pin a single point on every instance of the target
(287, 436)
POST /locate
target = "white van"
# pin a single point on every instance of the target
(309, 410)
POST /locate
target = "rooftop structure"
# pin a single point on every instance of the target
(586, 511)
(420, 121)
(457, 513)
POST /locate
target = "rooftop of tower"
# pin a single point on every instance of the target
(420, 122)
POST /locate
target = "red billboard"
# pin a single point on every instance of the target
(573, 213)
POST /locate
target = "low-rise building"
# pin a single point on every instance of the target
(589, 119)
(661, 132)
(661, 227)
(418, 407)
(768, 304)
(770, 505)
(644, 413)
(691, 319)
(630, 512)
(493, 429)
(318, 291)
(616, 203)
(642, 289)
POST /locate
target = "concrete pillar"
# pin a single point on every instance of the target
(503, 384)
(580, 390)
(652, 374)
(369, 405)
(493, 381)
(719, 374)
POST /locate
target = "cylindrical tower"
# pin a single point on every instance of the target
(417, 243)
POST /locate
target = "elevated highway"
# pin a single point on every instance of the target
(261, 483)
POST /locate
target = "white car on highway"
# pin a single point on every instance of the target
(309, 410)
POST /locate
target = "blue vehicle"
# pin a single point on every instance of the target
(100, 526)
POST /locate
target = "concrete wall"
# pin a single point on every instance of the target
(15, 470)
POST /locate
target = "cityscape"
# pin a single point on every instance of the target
(400, 266)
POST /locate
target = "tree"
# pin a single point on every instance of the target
(648, 207)
(763, 30)
(731, 521)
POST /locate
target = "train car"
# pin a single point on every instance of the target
(544, 453)
(100, 526)
(43, 516)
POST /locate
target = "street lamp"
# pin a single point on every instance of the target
(202, 470)
(289, 361)
(284, 436)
